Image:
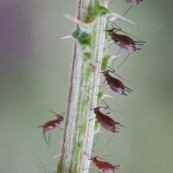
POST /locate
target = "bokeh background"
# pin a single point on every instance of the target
(34, 73)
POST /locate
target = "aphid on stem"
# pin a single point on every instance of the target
(115, 84)
(53, 124)
(104, 167)
(105, 121)
(123, 41)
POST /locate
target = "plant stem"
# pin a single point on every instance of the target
(79, 128)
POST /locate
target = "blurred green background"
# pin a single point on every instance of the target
(34, 73)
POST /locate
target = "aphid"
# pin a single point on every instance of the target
(105, 121)
(52, 125)
(124, 41)
(104, 167)
(115, 84)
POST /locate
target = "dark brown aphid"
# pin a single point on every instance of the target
(115, 84)
(52, 125)
(124, 41)
(105, 121)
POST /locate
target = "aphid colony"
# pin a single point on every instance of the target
(128, 44)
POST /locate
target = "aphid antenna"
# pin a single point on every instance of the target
(113, 24)
(113, 71)
(107, 106)
(91, 104)
(99, 85)
(113, 110)
(56, 114)
(44, 169)
(124, 60)
(97, 156)
(127, 10)
(95, 142)
(110, 139)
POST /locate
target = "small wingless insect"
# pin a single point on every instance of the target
(105, 121)
(104, 167)
(124, 41)
(115, 84)
(52, 125)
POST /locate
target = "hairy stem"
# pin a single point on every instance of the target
(79, 128)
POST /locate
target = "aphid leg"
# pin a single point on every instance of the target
(45, 137)
(124, 60)
(107, 106)
(127, 10)
(100, 85)
(125, 94)
(48, 138)
(108, 112)
(110, 139)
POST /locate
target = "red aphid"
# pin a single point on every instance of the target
(105, 121)
(124, 41)
(115, 84)
(104, 167)
(52, 125)
(134, 2)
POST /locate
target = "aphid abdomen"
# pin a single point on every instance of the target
(109, 170)
(115, 85)
(126, 43)
(134, 2)
(104, 167)
(106, 122)
(52, 125)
